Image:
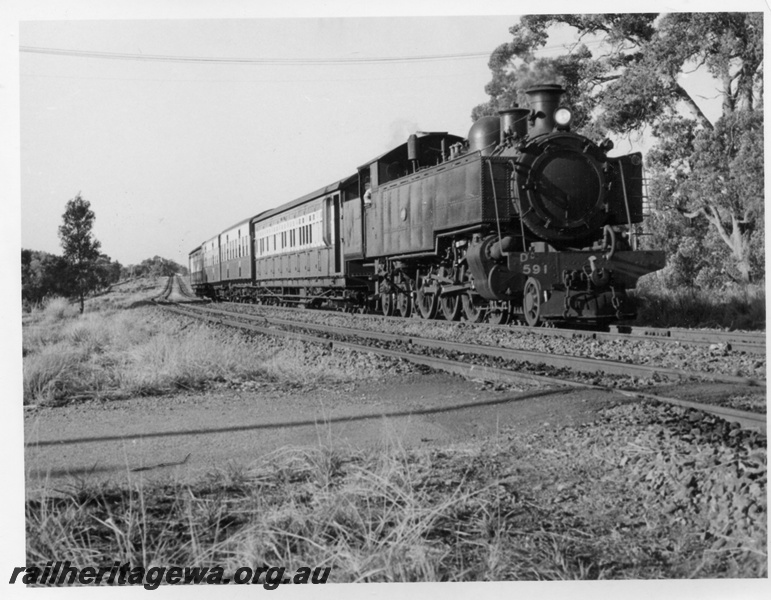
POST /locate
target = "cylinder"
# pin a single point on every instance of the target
(502, 247)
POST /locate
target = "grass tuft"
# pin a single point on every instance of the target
(59, 309)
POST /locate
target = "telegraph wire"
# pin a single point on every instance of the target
(249, 61)
(264, 61)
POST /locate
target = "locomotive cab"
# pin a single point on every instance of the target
(421, 151)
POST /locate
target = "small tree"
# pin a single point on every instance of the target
(81, 249)
(43, 274)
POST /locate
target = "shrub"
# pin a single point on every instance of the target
(59, 309)
(736, 307)
(51, 374)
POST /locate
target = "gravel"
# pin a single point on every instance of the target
(718, 359)
(688, 489)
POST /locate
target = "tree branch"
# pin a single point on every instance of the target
(714, 218)
(702, 118)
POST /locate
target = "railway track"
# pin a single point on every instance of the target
(166, 292)
(558, 361)
(751, 342)
(176, 290)
(740, 341)
(444, 355)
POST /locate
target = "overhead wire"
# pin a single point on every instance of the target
(274, 61)
(250, 61)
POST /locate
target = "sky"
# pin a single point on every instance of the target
(169, 153)
(254, 113)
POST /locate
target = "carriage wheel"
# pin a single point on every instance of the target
(387, 304)
(452, 307)
(474, 308)
(531, 302)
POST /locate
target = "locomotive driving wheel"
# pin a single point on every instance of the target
(474, 307)
(404, 297)
(531, 302)
(387, 303)
(498, 313)
(427, 303)
(452, 307)
(404, 305)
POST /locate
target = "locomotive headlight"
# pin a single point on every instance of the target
(562, 116)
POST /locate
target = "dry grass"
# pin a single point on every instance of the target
(48, 374)
(131, 294)
(116, 353)
(489, 511)
(369, 516)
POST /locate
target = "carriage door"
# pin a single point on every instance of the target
(332, 223)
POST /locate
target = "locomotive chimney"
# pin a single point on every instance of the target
(544, 100)
(514, 121)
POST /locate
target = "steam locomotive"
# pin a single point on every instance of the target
(522, 220)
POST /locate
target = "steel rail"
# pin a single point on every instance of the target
(746, 419)
(183, 289)
(166, 292)
(586, 364)
(751, 342)
(451, 366)
(745, 341)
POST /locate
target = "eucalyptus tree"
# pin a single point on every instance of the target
(628, 73)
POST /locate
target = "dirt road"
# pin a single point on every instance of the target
(185, 436)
